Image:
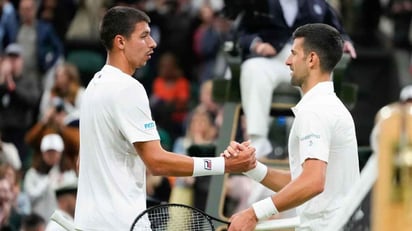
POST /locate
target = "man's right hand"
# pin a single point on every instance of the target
(239, 157)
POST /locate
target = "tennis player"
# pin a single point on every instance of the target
(323, 154)
(118, 138)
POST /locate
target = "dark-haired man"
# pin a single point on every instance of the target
(323, 155)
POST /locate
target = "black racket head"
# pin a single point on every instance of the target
(173, 217)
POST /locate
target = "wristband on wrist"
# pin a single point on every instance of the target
(208, 166)
(258, 173)
(265, 208)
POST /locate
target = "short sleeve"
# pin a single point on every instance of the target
(314, 136)
(133, 115)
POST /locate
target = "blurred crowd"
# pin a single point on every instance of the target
(47, 49)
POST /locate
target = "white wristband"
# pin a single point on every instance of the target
(265, 208)
(208, 166)
(258, 173)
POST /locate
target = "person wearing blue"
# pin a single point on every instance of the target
(8, 24)
(265, 43)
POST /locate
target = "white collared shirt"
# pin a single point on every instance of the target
(115, 114)
(323, 129)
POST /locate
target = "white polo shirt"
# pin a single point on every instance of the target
(115, 113)
(324, 129)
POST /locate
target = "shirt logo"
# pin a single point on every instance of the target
(149, 125)
(207, 164)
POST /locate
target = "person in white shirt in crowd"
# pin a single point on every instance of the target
(40, 181)
(66, 201)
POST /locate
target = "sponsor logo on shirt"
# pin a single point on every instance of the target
(149, 125)
(314, 136)
(208, 164)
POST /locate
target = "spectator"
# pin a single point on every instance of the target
(19, 94)
(41, 180)
(33, 222)
(9, 154)
(85, 24)
(170, 95)
(6, 197)
(55, 120)
(8, 24)
(20, 204)
(65, 94)
(59, 13)
(264, 41)
(201, 134)
(66, 200)
(42, 48)
(206, 43)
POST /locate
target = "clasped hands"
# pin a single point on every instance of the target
(239, 157)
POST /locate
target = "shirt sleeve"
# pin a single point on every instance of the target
(133, 115)
(314, 137)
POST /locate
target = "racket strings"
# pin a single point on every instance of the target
(176, 218)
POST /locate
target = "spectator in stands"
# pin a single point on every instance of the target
(176, 29)
(52, 122)
(65, 94)
(85, 23)
(66, 201)
(20, 204)
(201, 134)
(33, 222)
(264, 41)
(6, 198)
(170, 95)
(59, 13)
(19, 96)
(8, 24)
(206, 101)
(41, 179)
(42, 48)
(9, 154)
(206, 43)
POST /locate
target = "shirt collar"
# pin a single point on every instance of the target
(322, 88)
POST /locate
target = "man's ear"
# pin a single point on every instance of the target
(119, 42)
(313, 59)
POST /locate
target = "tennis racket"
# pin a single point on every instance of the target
(174, 217)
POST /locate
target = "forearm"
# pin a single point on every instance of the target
(276, 179)
(170, 164)
(296, 193)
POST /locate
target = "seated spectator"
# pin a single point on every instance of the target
(66, 201)
(20, 203)
(41, 179)
(199, 139)
(9, 24)
(9, 154)
(19, 95)
(65, 94)
(85, 23)
(53, 121)
(170, 95)
(6, 197)
(33, 222)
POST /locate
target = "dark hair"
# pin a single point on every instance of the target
(324, 40)
(120, 20)
(32, 221)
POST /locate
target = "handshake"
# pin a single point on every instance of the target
(240, 157)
